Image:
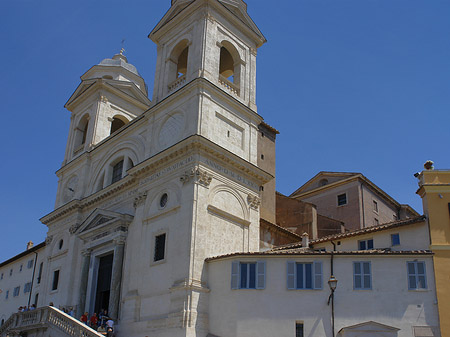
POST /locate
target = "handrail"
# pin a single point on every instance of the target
(48, 316)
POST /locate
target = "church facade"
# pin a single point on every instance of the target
(158, 208)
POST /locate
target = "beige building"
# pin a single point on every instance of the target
(352, 199)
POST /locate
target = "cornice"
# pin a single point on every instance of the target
(98, 84)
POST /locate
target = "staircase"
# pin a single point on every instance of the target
(44, 322)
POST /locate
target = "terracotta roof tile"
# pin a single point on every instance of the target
(357, 232)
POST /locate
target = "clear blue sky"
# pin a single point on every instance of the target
(352, 85)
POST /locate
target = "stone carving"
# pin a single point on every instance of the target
(140, 199)
(120, 240)
(99, 220)
(104, 99)
(48, 239)
(254, 201)
(99, 236)
(200, 176)
(74, 228)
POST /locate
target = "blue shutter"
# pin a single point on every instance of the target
(291, 275)
(260, 275)
(318, 275)
(421, 276)
(234, 275)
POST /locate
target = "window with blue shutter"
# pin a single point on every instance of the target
(304, 275)
(417, 278)
(362, 276)
(248, 275)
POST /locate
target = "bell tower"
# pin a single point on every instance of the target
(215, 40)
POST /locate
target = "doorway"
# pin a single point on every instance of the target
(103, 283)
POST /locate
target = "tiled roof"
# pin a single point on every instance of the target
(362, 231)
(24, 253)
(306, 252)
(280, 229)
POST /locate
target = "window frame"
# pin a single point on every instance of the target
(260, 275)
(299, 324)
(316, 275)
(416, 275)
(362, 274)
(346, 199)
(27, 287)
(55, 279)
(16, 291)
(375, 206)
(366, 242)
(155, 238)
(30, 264)
(397, 235)
(116, 175)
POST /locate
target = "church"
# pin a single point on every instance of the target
(159, 205)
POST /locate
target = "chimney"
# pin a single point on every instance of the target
(30, 245)
(428, 165)
(305, 240)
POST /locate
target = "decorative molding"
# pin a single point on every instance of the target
(254, 51)
(140, 199)
(253, 201)
(48, 239)
(104, 99)
(224, 214)
(86, 252)
(120, 240)
(74, 228)
(199, 176)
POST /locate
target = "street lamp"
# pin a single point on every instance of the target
(332, 282)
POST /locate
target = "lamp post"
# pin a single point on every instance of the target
(332, 282)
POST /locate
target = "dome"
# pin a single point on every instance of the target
(119, 60)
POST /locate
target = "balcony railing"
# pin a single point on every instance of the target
(46, 317)
(179, 82)
(230, 86)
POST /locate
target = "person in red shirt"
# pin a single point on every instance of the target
(94, 320)
(84, 318)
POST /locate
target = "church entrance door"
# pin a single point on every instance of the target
(103, 283)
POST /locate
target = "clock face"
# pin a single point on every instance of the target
(70, 188)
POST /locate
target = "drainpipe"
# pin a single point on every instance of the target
(32, 280)
(332, 292)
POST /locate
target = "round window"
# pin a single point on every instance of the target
(163, 200)
(61, 242)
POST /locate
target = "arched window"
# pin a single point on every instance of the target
(178, 64)
(230, 67)
(81, 133)
(116, 123)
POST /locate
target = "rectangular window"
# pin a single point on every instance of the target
(417, 278)
(304, 275)
(27, 287)
(365, 244)
(16, 291)
(160, 246)
(362, 276)
(55, 280)
(376, 222)
(10, 272)
(248, 275)
(394, 217)
(1, 277)
(342, 199)
(30, 264)
(395, 239)
(36, 297)
(40, 273)
(299, 330)
(21, 267)
(375, 206)
(117, 172)
(7, 294)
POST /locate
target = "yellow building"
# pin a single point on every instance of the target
(434, 188)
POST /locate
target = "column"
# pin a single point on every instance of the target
(84, 282)
(116, 277)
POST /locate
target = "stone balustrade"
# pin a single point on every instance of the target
(179, 82)
(230, 86)
(45, 318)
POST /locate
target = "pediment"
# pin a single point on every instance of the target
(116, 87)
(100, 219)
(369, 326)
(237, 7)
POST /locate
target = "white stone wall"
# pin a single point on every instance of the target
(275, 310)
(17, 274)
